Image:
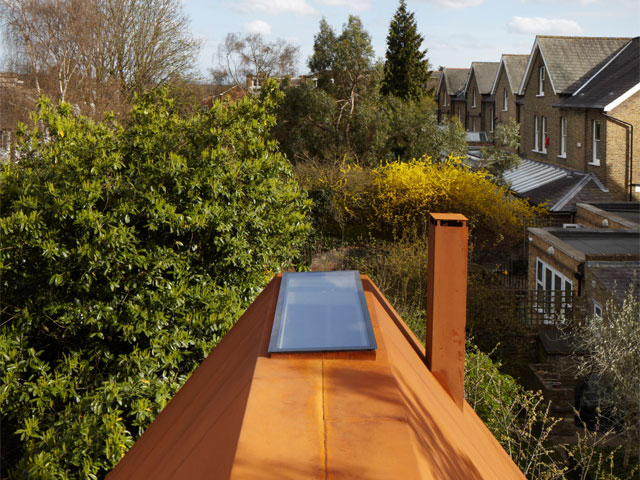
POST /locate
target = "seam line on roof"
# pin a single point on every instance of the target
(324, 426)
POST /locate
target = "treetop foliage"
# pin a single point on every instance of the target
(405, 68)
(128, 252)
(324, 49)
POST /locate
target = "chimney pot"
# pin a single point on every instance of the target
(447, 301)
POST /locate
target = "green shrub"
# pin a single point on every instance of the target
(127, 253)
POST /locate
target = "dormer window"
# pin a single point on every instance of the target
(541, 82)
(321, 312)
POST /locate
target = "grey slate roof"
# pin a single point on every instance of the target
(611, 82)
(515, 65)
(558, 187)
(571, 61)
(615, 277)
(485, 73)
(455, 79)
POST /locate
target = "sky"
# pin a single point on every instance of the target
(456, 32)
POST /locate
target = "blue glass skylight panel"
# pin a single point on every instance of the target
(321, 311)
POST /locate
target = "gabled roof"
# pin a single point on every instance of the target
(514, 67)
(434, 79)
(560, 188)
(485, 73)
(612, 84)
(455, 80)
(571, 61)
(246, 414)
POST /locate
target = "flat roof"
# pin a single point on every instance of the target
(609, 242)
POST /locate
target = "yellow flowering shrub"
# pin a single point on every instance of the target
(403, 194)
(397, 198)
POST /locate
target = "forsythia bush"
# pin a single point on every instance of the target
(397, 198)
(127, 253)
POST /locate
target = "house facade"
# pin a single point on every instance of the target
(506, 85)
(479, 104)
(558, 130)
(450, 85)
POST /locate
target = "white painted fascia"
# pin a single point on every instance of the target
(466, 85)
(440, 82)
(495, 80)
(622, 98)
(527, 71)
(598, 72)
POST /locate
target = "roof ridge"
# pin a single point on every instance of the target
(584, 37)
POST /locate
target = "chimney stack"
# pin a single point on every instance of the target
(447, 301)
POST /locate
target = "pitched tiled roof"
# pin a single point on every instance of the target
(614, 80)
(456, 79)
(485, 73)
(571, 61)
(558, 187)
(246, 414)
(515, 65)
(616, 277)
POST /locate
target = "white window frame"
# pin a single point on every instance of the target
(547, 279)
(597, 309)
(535, 133)
(505, 103)
(596, 143)
(543, 139)
(563, 137)
(473, 94)
(541, 76)
(444, 99)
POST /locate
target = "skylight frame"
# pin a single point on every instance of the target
(279, 327)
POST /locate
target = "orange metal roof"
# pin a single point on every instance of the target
(243, 414)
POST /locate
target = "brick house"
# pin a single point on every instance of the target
(506, 85)
(480, 104)
(616, 215)
(609, 105)
(451, 84)
(584, 263)
(558, 69)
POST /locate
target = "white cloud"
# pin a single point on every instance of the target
(275, 7)
(541, 25)
(455, 3)
(258, 26)
(354, 4)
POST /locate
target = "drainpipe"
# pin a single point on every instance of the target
(631, 184)
(447, 301)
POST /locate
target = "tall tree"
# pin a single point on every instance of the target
(95, 52)
(405, 68)
(324, 48)
(241, 55)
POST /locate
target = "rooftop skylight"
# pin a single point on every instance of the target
(321, 311)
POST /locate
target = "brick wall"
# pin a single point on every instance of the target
(462, 106)
(540, 106)
(593, 217)
(443, 94)
(510, 114)
(488, 111)
(616, 140)
(561, 261)
(474, 113)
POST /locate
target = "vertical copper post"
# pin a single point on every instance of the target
(447, 301)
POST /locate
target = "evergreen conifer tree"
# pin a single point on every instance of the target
(405, 67)
(324, 48)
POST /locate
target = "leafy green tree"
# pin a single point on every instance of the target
(353, 62)
(405, 68)
(324, 48)
(127, 253)
(501, 155)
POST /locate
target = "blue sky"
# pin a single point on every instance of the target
(456, 32)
